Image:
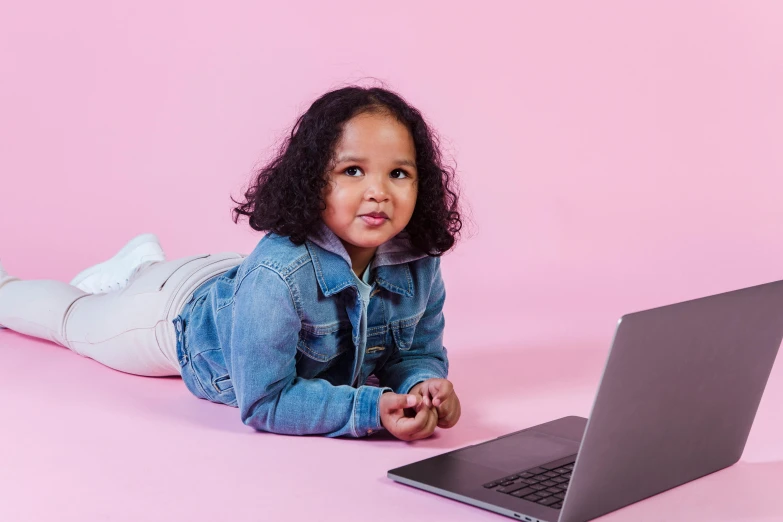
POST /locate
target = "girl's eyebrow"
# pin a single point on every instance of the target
(344, 159)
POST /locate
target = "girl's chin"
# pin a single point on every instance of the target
(371, 240)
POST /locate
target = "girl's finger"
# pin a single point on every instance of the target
(408, 425)
(444, 411)
(429, 427)
(451, 416)
(425, 392)
(399, 402)
(443, 391)
(425, 397)
(447, 420)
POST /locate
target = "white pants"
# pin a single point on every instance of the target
(130, 329)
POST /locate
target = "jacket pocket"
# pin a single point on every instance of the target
(323, 343)
(404, 330)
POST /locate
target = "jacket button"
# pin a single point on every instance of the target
(369, 432)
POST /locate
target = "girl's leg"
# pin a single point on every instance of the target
(113, 329)
(37, 307)
(129, 330)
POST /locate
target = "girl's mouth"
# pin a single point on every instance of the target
(373, 221)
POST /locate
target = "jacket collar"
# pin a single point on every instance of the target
(333, 264)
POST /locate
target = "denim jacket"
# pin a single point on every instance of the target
(279, 335)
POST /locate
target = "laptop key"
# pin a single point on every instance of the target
(539, 479)
(532, 498)
(554, 490)
(561, 496)
(512, 488)
(547, 501)
(557, 506)
(522, 492)
(560, 463)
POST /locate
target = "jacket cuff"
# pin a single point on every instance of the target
(367, 411)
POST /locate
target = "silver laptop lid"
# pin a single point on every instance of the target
(677, 399)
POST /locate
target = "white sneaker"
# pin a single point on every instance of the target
(115, 273)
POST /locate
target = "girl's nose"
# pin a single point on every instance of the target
(377, 189)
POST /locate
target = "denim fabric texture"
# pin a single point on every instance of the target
(280, 336)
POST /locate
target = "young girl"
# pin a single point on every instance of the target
(345, 285)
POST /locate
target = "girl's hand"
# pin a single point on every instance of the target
(439, 393)
(406, 417)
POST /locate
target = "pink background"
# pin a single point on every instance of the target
(616, 156)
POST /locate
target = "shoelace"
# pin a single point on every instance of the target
(111, 286)
(117, 285)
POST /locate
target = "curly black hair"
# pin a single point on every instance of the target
(287, 194)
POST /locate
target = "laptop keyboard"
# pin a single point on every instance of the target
(545, 484)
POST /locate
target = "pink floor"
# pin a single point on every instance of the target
(614, 156)
(82, 442)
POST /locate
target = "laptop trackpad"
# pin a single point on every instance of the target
(518, 452)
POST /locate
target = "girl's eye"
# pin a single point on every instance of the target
(355, 172)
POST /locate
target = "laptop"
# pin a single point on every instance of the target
(676, 401)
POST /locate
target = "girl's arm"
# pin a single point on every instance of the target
(261, 362)
(427, 357)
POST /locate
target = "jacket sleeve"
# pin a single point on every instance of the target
(427, 357)
(262, 363)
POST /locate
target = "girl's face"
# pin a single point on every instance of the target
(372, 183)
